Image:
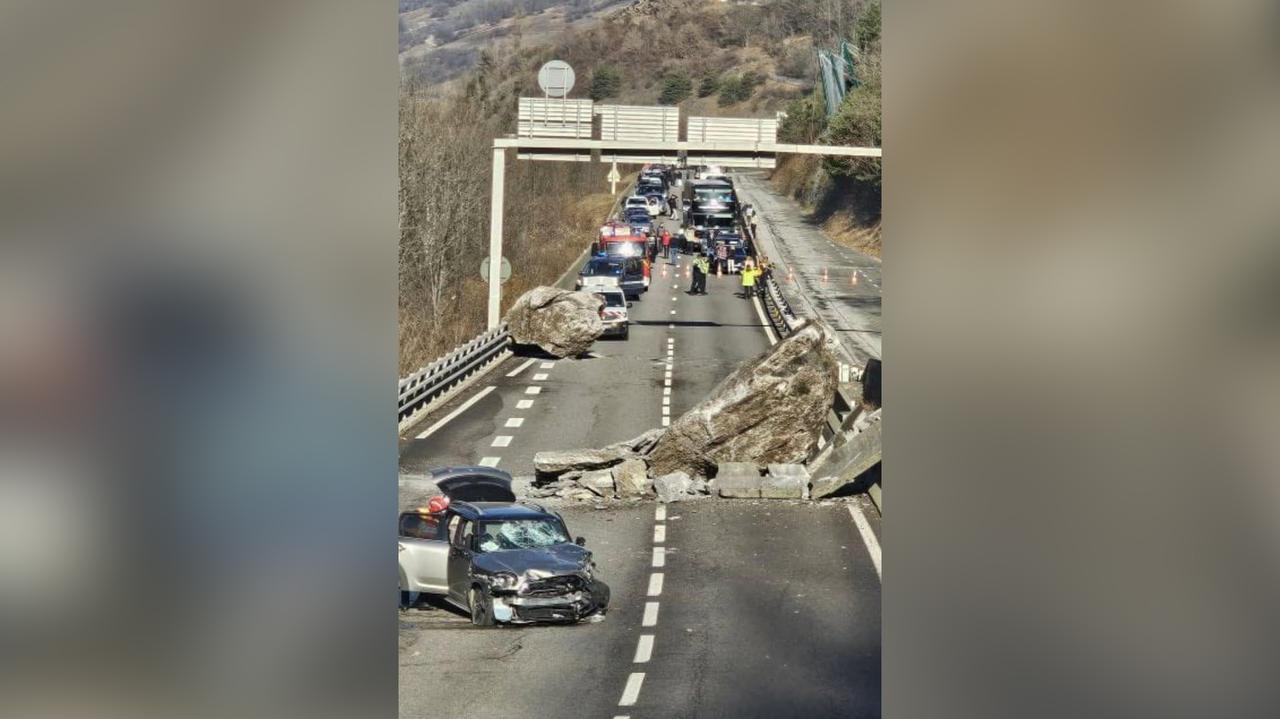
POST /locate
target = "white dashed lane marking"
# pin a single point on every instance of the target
(655, 584)
(666, 421)
(632, 691)
(490, 461)
(660, 534)
(659, 557)
(660, 514)
(540, 377)
(535, 389)
(502, 440)
(650, 614)
(524, 404)
(644, 649)
(547, 365)
(514, 422)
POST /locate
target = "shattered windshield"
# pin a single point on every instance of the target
(519, 534)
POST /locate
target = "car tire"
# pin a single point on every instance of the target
(481, 607)
(626, 332)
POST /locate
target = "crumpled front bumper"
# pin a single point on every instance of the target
(568, 607)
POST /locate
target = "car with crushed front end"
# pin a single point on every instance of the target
(499, 560)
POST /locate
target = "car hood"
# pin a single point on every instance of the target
(535, 563)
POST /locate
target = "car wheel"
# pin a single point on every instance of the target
(481, 608)
(626, 332)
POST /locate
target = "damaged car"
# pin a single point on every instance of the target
(495, 558)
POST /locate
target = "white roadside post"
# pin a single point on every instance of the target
(495, 236)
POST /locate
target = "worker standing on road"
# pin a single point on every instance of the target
(698, 277)
(705, 265)
(748, 281)
(666, 245)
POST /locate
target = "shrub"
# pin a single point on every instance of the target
(675, 87)
(606, 82)
(709, 86)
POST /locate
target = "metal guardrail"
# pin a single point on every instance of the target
(776, 308)
(433, 381)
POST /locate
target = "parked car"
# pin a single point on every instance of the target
(614, 315)
(635, 201)
(625, 273)
(493, 557)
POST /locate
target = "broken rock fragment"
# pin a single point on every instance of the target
(769, 410)
(631, 478)
(673, 487)
(561, 322)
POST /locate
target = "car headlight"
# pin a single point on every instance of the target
(588, 572)
(504, 580)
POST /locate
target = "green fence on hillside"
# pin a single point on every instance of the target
(837, 74)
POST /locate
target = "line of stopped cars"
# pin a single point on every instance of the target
(619, 268)
(497, 559)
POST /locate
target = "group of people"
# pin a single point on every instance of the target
(751, 273)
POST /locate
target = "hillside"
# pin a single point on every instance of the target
(710, 58)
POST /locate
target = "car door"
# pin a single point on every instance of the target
(423, 553)
(460, 560)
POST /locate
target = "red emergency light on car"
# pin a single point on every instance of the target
(438, 504)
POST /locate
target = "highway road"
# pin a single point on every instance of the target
(720, 608)
(617, 393)
(818, 277)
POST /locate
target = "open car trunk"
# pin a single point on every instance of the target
(475, 484)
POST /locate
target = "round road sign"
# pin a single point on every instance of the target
(504, 271)
(556, 78)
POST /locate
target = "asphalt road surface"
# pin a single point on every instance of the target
(720, 608)
(818, 277)
(764, 609)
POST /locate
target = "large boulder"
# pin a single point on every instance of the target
(562, 322)
(769, 410)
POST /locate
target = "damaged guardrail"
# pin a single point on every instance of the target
(433, 382)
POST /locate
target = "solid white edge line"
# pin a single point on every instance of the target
(632, 692)
(768, 329)
(462, 408)
(521, 368)
(644, 649)
(868, 537)
(655, 584)
(659, 556)
(650, 614)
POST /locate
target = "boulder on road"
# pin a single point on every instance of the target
(562, 322)
(673, 487)
(769, 410)
(631, 478)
